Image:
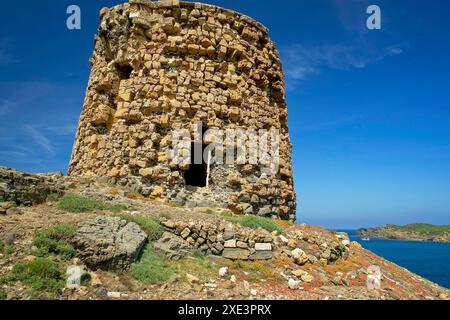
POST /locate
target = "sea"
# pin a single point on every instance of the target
(430, 260)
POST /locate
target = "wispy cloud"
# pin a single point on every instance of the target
(302, 61)
(21, 94)
(39, 138)
(68, 128)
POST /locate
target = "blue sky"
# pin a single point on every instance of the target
(369, 111)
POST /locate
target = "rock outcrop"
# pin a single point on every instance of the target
(25, 188)
(411, 232)
(109, 243)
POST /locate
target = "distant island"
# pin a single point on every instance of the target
(413, 232)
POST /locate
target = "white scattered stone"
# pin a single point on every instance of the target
(223, 271)
(233, 278)
(230, 243)
(253, 292)
(346, 242)
(263, 247)
(294, 284)
(299, 256)
(283, 239)
(75, 276)
(113, 294)
(374, 275)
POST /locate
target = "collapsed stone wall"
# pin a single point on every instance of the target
(23, 188)
(162, 66)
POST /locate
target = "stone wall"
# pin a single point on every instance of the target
(162, 66)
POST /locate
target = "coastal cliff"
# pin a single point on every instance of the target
(412, 232)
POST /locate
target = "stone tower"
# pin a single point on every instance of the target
(159, 67)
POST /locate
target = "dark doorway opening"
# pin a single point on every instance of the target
(124, 71)
(196, 175)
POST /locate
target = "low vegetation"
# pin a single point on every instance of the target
(423, 228)
(151, 268)
(55, 240)
(5, 249)
(256, 270)
(255, 222)
(41, 274)
(75, 203)
(150, 226)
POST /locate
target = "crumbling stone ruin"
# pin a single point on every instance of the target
(23, 188)
(163, 66)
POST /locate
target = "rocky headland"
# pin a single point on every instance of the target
(412, 232)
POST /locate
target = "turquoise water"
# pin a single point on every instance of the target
(429, 259)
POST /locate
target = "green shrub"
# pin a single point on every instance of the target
(2, 199)
(152, 267)
(150, 226)
(255, 222)
(55, 240)
(423, 228)
(75, 203)
(40, 274)
(3, 294)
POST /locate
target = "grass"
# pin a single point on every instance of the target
(6, 249)
(3, 294)
(55, 240)
(423, 228)
(75, 203)
(41, 274)
(257, 270)
(150, 226)
(255, 222)
(197, 264)
(152, 268)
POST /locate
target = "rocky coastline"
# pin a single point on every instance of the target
(411, 232)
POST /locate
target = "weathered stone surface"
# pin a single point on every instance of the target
(109, 243)
(236, 254)
(261, 255)
(172, 246)
(76, 276)
(230, 243)
(294, 284)
(299, 256)
(159, 67)
(263, 246)
(26, 188)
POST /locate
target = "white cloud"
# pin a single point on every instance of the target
(302, 61)
(39, 138)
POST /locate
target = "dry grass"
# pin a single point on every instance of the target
(257, 270)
